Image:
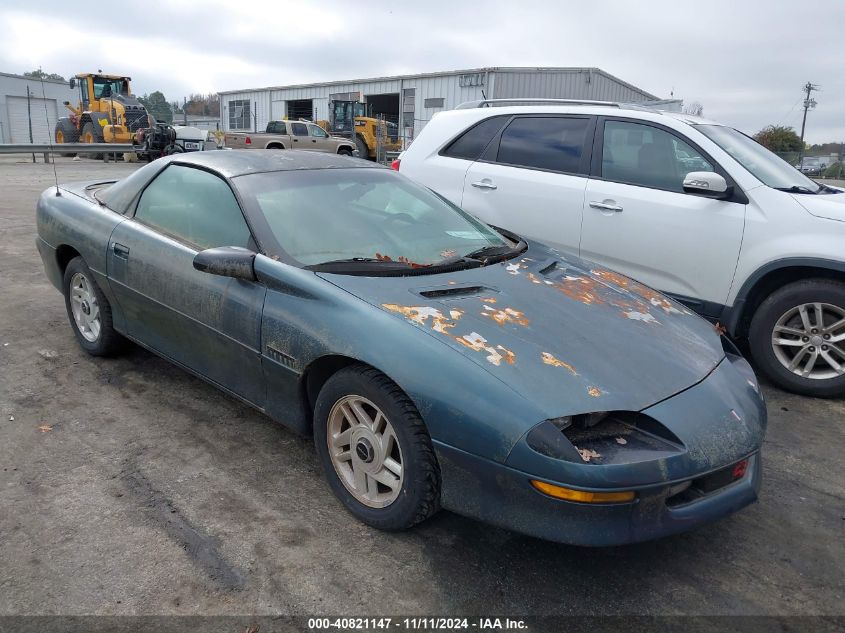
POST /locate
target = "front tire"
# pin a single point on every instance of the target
(797, 337)
(375, 450)
(363, 150)
(66, 132)
(89, 135)
(89, 311)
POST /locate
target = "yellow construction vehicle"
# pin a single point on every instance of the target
(107, 111)
(370, 133)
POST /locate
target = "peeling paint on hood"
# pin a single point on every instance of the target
(571, 336)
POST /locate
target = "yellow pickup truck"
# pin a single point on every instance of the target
(291, 135)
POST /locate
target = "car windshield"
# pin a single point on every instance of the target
(363, 215)
(763, 164)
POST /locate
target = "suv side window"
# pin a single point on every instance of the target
(471, 143)
(648, 156)
(299, 129)
(193, 206)
(276, 127)
(317, 131)
(544, 142)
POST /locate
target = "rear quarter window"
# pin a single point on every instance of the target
(551, 143)
(472, 143)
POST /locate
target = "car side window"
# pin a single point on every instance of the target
(299, 129)
(472, 143)
(276, 127)
(193, 206)
(648, 156)
(317, 131)
(555, 143)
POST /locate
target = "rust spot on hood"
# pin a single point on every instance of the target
(421, 315)
(595, 392)
(506, 315)
(588, 454)
(549, 359)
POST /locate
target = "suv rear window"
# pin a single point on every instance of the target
(472, 142)
(554, 143)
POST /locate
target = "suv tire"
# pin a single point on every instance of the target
(805, 317)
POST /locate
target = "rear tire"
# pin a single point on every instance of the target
(801, 321)
(89, 311)
(385, 441)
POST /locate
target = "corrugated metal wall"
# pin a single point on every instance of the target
(562, 84)
(567, 84)
(13, 128)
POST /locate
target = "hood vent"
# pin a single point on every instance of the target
(454, 292)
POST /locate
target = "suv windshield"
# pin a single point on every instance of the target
(762, 163)
(360, 215)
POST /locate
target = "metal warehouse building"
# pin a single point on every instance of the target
(411, 100)
(42, 108)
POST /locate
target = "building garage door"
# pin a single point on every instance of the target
(42, 126)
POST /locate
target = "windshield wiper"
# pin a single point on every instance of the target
(492, 251)
(797, 189)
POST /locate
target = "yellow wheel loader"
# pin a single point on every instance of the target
(367, 129)
(107, 112)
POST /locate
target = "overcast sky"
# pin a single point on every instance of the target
(745, 61)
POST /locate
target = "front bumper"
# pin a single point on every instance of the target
(503, 496)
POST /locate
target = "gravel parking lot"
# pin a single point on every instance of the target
(131, 487)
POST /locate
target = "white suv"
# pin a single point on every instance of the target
(690, 207)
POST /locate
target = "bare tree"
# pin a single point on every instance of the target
(694, 108)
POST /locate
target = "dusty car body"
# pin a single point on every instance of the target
(533, 373)
(303, 135)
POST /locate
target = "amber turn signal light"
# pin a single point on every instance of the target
(582, 496)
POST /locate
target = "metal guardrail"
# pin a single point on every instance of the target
(66, 148)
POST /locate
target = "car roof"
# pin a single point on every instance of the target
(239, 162)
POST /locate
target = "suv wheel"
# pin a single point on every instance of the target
(797, 337)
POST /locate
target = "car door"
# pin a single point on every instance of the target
(300, 137)
(319, 139)
(639, 220)
(531, 178)
(208, 323)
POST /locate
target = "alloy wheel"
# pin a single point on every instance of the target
(809, 340)
(84, 307)
(364, 451)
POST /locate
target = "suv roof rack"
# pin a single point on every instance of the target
(486, 103)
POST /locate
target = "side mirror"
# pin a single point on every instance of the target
(706, 183)
(67, 103)
(72, 83)
(227, 261)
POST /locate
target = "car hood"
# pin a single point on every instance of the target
(571, 336)
(830, 206)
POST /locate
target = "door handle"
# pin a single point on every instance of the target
(313, 140)
(484, 184)
(606, 205)
(120, 250)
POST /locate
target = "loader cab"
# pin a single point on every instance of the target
(92, 88)
(343, 116)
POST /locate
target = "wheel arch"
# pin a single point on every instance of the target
(766, 279)
(274, 145)
(65, 253)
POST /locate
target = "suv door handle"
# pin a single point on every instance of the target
(120, 250)
(606, 205)
(484, 184)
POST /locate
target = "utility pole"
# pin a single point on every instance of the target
(808, 103)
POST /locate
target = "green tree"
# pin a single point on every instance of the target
(779, 138)
(40, 74)
(157, 105)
